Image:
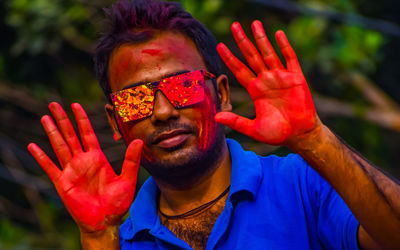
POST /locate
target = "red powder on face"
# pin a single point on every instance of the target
(122, 66)
(205, 123)
(123, 62)
(152, 52)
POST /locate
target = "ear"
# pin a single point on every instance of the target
(223, 93)
(112, 121)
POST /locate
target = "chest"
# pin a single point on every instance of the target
(195, 229)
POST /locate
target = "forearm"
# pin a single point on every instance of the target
(104, 239)
(373, 197)
(388, 186)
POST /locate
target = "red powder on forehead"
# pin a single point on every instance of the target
(122, 62)
(152, 52)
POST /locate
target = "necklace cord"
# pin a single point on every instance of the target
(195, 210)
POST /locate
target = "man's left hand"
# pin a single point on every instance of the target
(282, 100)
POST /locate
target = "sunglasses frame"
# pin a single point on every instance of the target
(153, 86)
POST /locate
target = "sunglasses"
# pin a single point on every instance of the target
(181, 91)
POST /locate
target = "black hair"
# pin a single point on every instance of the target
(134, 21)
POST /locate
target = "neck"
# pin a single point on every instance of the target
(179, 199)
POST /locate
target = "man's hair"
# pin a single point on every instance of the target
(134, 21)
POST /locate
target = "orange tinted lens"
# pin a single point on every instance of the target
(134, 103)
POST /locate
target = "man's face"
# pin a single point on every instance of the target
(173, 138)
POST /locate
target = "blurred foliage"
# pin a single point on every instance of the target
(43, 25)
(45, 55)
(346, 47)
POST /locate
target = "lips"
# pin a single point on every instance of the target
(171, 138)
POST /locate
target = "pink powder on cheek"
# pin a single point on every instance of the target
(205, 121)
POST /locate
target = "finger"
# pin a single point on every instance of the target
(58, 143)
(132, 161)
(89, 139)
(236, 122)
(292, 63)
(44, 161)
(242, 73)
(267, 51)
(249, 51)
(66, 128)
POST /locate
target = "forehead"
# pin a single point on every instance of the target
(166, 53)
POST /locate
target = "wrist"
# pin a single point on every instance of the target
(107, 238)
(310, 140)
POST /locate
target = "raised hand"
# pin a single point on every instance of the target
(282, 100)
(94, 195)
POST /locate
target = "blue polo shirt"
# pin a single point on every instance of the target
(273, 203)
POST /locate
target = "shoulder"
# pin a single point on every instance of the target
(291, 165)
(291, 173)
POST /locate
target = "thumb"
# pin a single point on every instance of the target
(131, 163)
(236, 122)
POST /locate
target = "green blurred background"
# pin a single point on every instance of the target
(349, 52)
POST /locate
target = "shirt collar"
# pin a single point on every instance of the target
(246, 176)
(246, 170)
(143, 212)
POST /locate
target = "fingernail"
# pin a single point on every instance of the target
(43, 118)
(221, 47)
(137, 141)
(75, 105)
(51, 104)
(235, 26)
(115, 137)
(256, 24)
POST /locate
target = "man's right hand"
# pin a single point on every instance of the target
(94, 195)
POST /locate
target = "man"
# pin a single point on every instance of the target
(158, 66)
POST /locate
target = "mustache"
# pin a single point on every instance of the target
(171, 126)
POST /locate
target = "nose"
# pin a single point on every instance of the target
(163, 110)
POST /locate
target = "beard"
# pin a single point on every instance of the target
(186, 166)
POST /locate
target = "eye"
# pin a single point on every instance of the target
(187, 83)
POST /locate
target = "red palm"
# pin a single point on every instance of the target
(94, 195)
(283, 103)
